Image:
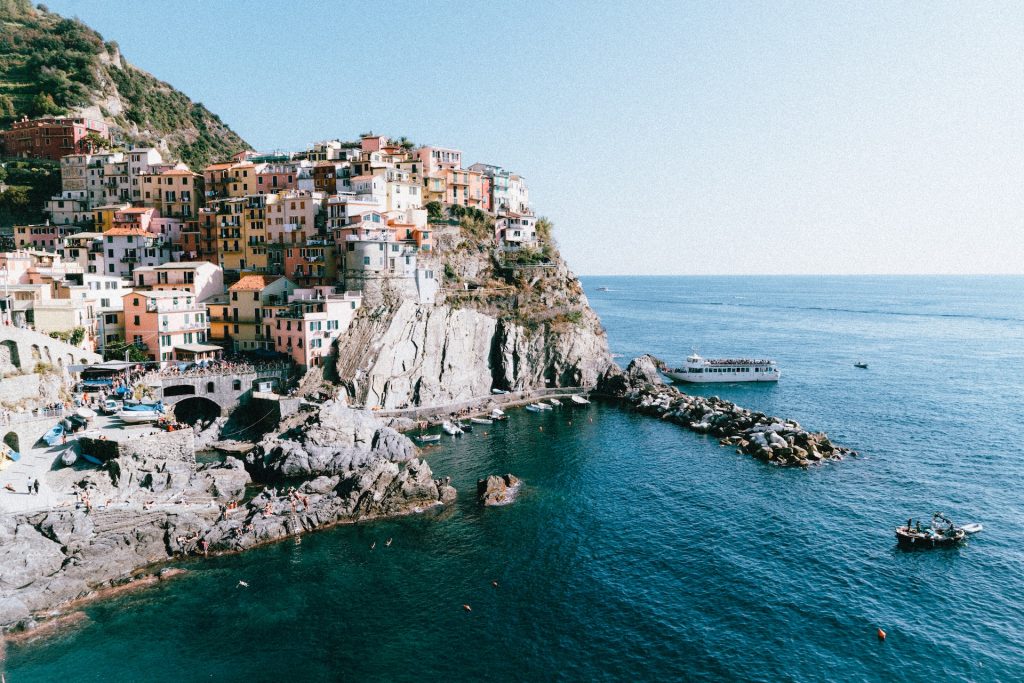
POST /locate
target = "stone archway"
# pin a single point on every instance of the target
(9, 357)
(179, 390)
(11, 439)
(195, 409)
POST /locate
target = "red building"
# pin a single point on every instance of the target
(50, 138)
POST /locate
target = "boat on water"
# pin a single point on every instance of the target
(69, 458)
(498, 391)
(428, 438)
(53, 436)
(544, 406)
(579, 400)
(603, 289)
(942, 532)
(497, 414)
(534, 408)
(464, 426)
(451, 428)
(715, 370)
(481, 420)
(555, 402)
(142, 412)
(862, 365)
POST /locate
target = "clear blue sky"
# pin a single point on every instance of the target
(667, 138)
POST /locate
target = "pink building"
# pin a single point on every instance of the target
(167, 325)
(307, 326)
(135, 217)
(437, 159)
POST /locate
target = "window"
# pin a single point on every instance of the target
(209, 387)
(366, 260)
(236, 384)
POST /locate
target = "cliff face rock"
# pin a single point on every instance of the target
(495, 490)
(335, 440)
(537, 332)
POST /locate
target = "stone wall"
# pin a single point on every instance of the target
(33, 347)
(19, 387)
(179, 445)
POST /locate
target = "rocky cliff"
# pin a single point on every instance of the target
(496, 324)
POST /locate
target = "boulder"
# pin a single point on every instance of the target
(498, 490)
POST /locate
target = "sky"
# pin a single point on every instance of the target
(670, 138)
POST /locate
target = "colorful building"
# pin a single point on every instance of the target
(308, 325)
(240, 319)
(166, 325)
(51, 138)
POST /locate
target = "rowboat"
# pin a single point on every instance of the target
(544, 406)
(554, 402)
(52, 437)
(428, 438)
(579, 400)
(481, 421)
(69, 458)
(143, 412)
(533, 408)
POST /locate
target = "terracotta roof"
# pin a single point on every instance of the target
(253, 283)
(139, 209)
(121, 232)
(218, 167)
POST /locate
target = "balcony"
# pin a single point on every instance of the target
(129, 259)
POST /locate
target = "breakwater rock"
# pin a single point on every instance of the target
(775, 440)
(495, 490)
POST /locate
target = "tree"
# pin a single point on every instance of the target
(14, 199)
(93, 142)
(6, 106)
(43, 105)
(544, 228)
(434, 211)
(115, 349)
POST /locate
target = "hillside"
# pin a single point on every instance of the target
(53, 65)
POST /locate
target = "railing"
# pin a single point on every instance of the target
(29, 415)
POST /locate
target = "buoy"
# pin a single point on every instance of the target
(467, 608)
(541, 428)
(494, 583)
(881, 634)
(570, 423)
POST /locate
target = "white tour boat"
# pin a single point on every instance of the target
(706, 370)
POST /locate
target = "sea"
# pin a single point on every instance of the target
(640, 551)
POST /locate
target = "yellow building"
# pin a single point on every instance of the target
(240, 318)
(254, 233)
(236, 179)
(176, 193)
(103, 216)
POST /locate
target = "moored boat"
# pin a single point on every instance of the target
(428, 438)
(69, 458)
(555, 402)
(862, 365)
(579, 400)
(534, 408)
(481, 420)
(713, 370)
(451, 428)
(942, 532)
(544, 406)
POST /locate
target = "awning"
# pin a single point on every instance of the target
(197, 348)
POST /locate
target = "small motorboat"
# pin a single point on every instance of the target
(69, 458)
(451, 428)
(87, 413)
(942, 533)
(466, 427)
(92, 458)
(498, 391)
(428, 438)
(972, 528)
(544, 406)
(579, 400)
(534, 408)
(862, 365)
(481, 421)
(53, 436)
(603, 289)
(142, 412)
(497, 415)
(555, 402)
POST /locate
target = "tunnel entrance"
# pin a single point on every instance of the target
(195, 410)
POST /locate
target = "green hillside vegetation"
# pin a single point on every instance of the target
(53, 65)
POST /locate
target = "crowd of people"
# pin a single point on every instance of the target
(221, 367)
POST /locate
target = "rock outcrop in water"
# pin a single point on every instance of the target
(495, 490)
(151, 503)
(780, 442)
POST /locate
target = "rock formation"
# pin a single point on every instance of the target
(495, 490)
(780, 442)
(151, 503)
(514, 329)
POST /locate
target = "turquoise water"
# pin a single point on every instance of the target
(642, 551)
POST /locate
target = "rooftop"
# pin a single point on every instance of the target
(253, 282)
